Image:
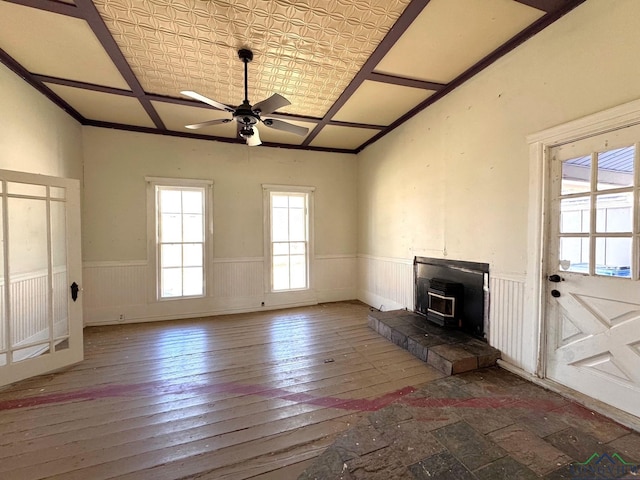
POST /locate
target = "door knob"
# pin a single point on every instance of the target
(555, 278)
(555, 293)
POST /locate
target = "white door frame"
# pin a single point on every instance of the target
(539, 163)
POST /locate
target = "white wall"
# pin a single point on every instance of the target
(453, 181)
(36, 136)
(114, 219)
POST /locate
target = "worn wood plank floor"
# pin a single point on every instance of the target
(231, 397)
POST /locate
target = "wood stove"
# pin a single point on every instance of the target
(463, 298)
(444, 305)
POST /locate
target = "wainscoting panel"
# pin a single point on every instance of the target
(385, 283)
(238, 277)
(335, 277)
(506, 317)
(118, 292)
(108, 284)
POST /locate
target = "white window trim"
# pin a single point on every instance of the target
(152, 239)
(267, 189)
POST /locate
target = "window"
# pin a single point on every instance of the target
(180, 233)
(597, 213)
(288, 232)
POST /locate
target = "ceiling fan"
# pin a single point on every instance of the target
(246, 115)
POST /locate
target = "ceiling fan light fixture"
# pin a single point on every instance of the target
(246, 131)
(247, 116)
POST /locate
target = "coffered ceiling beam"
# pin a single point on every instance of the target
(83, 85)
(404, 21)
(19, 70)
(92, 16)
(520, 38)
(405, 82)
(545, 5)
(51, 6)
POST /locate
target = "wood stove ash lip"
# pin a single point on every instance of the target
(474, 303)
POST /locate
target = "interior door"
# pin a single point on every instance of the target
(593, 291)
(40, 321)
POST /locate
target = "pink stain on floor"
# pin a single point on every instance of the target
(357, 404)
(155, 388)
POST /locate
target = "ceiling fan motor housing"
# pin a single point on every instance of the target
(245, 115)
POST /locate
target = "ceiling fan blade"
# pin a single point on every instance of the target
(254, 140)
(217, 121)
(208, 101)
(285, 126)
(271, 104)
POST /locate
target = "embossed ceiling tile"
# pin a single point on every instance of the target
(307, 50)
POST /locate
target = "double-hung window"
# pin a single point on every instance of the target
(181, 232)
(288, 230)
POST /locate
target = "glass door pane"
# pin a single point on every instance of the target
(28, 277)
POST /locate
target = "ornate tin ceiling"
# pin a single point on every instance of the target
(352, 69)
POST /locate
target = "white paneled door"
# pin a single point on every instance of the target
(40, 275)
(593, 291)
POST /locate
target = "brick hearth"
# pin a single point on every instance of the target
(447, 350)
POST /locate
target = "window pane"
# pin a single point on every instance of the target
(280, 225)
(297, 224)
(613, 257)
(171, 255)
(280, 201)
(171, 227)
(281, 249)
(574, 215)
(281, 273)
(192, 230)
(170, 201)
(26, 189)
(192, 255)
(614, 212)
(298, 271)
(171, 282)
(296, 201)
(574, 254)
(298, 248)
(615, 168)
(57, 192)
(193, 281)
(576, 175)
(192, 201)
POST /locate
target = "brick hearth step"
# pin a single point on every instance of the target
(447, 350)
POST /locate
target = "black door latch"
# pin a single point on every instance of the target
(74, 291)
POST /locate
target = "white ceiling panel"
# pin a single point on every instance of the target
(104, 106)
(56, 45)
(449, 36)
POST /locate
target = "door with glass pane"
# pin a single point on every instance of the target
(40, 275)
(593, 288)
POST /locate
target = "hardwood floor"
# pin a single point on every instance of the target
(231, 397)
